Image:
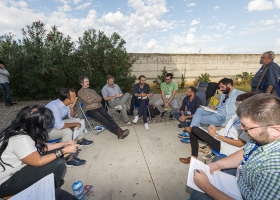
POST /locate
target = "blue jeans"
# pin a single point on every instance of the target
(143, 109)
(177, 115)
(6, 93)
(196, 195)
(205, 117)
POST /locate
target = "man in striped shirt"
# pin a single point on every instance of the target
(258, 163)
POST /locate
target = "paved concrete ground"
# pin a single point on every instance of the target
(145, 165)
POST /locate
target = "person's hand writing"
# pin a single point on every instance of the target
(212, 130)
(78, 125)
(201, 180)
(214, 166)
(213, 107)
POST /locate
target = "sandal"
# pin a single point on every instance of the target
(185, 160)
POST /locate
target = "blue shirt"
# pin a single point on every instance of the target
(192, 106)
(60, 111)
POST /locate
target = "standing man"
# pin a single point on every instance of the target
(192, 102)
(271, 76)
(5, 85)
(112, 93)
(257, 163)
(223, 112)
(91, 105)
(168, 96)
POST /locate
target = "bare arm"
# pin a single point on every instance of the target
(163, 96)
(269, 89)
(237, 143)
(172, 96)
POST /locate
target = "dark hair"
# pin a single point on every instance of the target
(109, 77)
(193, 89)
(1, 62)
(226, 81)
(262, 109)
(81, 79)
(32, 121)
(65, 93)
(169, 74)
(141, 76)
(244, 96)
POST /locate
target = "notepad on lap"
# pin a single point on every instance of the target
(222, 181)
(208, 109)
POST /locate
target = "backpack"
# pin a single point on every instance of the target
(151, 111)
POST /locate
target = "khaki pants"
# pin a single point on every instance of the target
(65, 134)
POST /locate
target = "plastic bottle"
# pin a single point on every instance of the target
(78, 190)
(85, 131)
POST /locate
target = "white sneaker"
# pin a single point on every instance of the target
(128, 123)
(146, 126)
(135, 119)
(118, 107)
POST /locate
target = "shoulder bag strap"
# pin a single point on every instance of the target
(266, 68)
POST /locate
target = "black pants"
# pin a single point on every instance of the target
(63, 195)
(101, 116)
(28, 175)
(142, 103)
(199, 134)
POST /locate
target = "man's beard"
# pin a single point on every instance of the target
(226, 91)
(262, 139)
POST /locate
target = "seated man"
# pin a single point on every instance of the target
(112, 93)
(91, 101)
(225, 109)
(168, 96)
(60, 127)
(192, 102)
(257, 162)
(140, 97)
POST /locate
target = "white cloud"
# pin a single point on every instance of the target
(258, 5)
(216, 7)
(231, 27)
(277, 3)
(194, 22)
(77, 1)
(218, 26)
(83, 6)
(267, 22)
(192, 30)
(116, 19)
(189, 11)
(191, 4)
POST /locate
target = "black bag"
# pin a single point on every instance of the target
(156, 111)
(151, 111)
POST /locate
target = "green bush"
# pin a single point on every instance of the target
(183, 79)
(244, 78)
(202, 78)
(44, 62)
(161, 78)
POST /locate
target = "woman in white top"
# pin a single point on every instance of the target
(24, 153)
(226, 140)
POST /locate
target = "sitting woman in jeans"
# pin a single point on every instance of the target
(24, 156)
(140, 98)
(226, 141)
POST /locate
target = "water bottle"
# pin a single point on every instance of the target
(78, 190)
(85, 131)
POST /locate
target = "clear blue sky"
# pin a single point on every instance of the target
(158, 26)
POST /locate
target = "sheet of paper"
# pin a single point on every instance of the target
(208, 109)
(76, 131)
(224, 182)
(41, 190)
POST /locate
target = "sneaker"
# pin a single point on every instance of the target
(184, 135)
(82, 160)
(75, 163)
(85, 142)
(162, 114)
(118, 107)
(128, 123)
(135, 119)
(170, 117)
(146, 126)
(185, 140)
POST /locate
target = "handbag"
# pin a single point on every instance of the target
(263, 88)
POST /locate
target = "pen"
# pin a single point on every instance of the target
(197, 170)
(209, 126)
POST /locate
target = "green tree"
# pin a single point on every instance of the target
(202, 78)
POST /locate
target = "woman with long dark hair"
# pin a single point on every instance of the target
(25, 157)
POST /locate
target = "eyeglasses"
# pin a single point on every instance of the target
(167, 79)
(246, 129)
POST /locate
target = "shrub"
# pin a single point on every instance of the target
(183, 81)
(244, 78)
(202, 78)
(161, 78)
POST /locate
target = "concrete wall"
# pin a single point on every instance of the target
(217, 65)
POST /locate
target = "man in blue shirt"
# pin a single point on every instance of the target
(271, 77)
(192, 102)
(60, 127)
